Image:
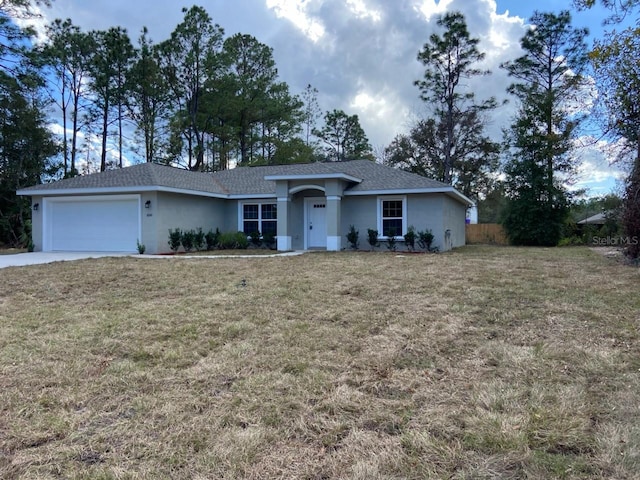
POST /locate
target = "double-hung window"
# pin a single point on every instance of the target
(392, 216)
(260, 217)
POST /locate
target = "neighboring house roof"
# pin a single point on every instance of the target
(365, 178)
(597, 219)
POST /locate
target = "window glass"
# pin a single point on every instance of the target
(260, 217)
(392, 227)
(392, 218)
(269, 227)
(392, 209)
(251, 212)
(269, 211)
(250, 227)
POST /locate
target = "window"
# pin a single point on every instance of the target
(260, 217)
(392, 219)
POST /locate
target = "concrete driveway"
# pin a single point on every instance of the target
(36, 258)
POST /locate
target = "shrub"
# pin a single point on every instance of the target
(231, 240)
(373, 238)
(410, 239)
(227, 241)
(242, 242)
(392, 242)
(141, 247)
(269, 240)
(352, 237)
(570, 241)
(188, 240)
(211, 239)
(256, 241)
(198, 240)
(175, 237)
(425, 239)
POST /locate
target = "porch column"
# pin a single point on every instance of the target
(334, 208)
(333, 191)
(284, 202)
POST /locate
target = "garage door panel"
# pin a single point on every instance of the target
(94, 224)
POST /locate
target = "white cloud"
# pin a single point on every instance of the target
(429, 8)
(597, 168)
(296, 12)
(362, 10)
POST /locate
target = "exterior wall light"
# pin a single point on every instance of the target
(36, 206)
(147, 204)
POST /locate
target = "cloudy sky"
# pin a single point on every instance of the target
(359, 54)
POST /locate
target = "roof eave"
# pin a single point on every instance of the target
(115, 190)
(315, 176)
(450, 191)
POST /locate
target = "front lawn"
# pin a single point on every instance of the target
(484, 362)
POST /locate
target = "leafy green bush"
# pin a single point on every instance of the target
(141, 247)
(269, 240)
(211, 239)
(570, 241)
(198, 239)
(256, 241)
(188, 240)
(425, 239)
(410, 239)
(372, 237)
(175, 237)
(392, 243)
(243, 242)
(232, 241)
(352, 237)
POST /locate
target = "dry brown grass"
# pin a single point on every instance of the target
(481, 363)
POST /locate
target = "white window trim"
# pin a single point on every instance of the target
(259, 219)
(404, 215)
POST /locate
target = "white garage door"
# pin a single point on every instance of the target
(92, 224)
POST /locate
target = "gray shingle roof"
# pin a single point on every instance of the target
(142, 175)
(375, 177)
(242, 180)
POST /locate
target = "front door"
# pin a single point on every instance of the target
(316, 219)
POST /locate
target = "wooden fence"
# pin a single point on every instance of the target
(492, 233)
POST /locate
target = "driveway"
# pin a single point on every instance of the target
(36, 258)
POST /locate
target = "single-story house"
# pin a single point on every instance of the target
(306, 206)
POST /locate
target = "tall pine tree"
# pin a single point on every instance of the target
(547, 78)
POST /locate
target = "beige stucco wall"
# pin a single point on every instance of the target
(36, 224)
(170, 210)
(361, 212)
(454, 217)
(435, 212)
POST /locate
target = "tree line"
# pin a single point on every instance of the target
(197, 99)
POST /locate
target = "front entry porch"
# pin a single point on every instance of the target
(306, 219)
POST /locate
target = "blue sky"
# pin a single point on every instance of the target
(359, 54)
